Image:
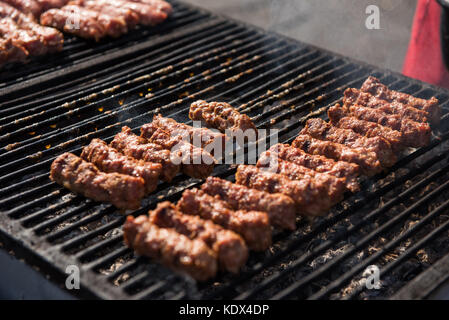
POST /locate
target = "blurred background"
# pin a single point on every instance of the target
(336, 25)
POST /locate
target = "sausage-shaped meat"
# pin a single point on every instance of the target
(221, 116)
(11, 52)
(376, 88)
(134, 146)
(369, 129)
(309, 195)
(357, 97)
(414, 133)
(108, 159)
(230, 248)
(320, 129)
(168, 247)
(335, 187)
(253, 226)
(77, 175)
(339, 169)
(195, 162)
(157, 4)
(279, 207)
(32, 7)
(206, 138)
(26, 39)
(367, 160)
(148, 15)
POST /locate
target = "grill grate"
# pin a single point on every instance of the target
(91, 90)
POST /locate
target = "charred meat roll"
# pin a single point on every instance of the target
(310, 196)
(157, 4)
(320, 129)
(221, 116)
(414, 134)
(335, 187)
(32, 7)
(357, 97)
(11, 52)
(230, 248)
(366, 128)
(376, 88)
(253, 226)
(168, 247)
(339, 169)
(148, 15)
(108, 159)
(129, 17)
(195, 162)
(206, 138)
(367, 160)
(280, 208)
(26, 39)
(77, 175)
(136, 147)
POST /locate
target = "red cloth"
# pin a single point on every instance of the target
(424, 59)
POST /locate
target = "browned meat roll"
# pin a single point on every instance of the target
(366, 128)
(195, 162)
(335, 187)
(206, 138)
(134, 146)
(367, 160)
(148, 15)
(414, 133)
(320, 129)
(279, 207)
(11, 52)
(311, 197)
(32, 7)
(376, 88)
(158, 5)
(230, 248)
(339, 169)
(253, 226)
(108, 159)
(170, 248)
(77, 175)
(221, 116)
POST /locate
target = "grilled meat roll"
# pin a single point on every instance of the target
(32, 43)
(376, 88)
(253, 226)
(158, 5)
(280, 208)
(367, 160)
(195, 162)
(340, 169)
(366, 128)
(134, 146)
(414, 134)
(206, 138)
(221, 116)
(335, 187)
(170, 248)
(11, 52)
(311, 197)
(108, 159)
(230, 248)
(77, 175)
(148, 15)
(320, 129)
(32, 7)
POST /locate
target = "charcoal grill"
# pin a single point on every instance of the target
(399, 221)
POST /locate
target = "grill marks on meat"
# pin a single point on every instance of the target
(195, 162)
(279, 207)
(335, 187)
(206, 138)
(321, 164)
(77, 175)
(222, 116)
(367, 160)
(108, 159)
(320, 129)
(23, 37)
(366, 128)
(134, 146)
(230, 248)
(253, 226)
(414, 134)
(170, 248)
(373, 86)
(310, 196)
